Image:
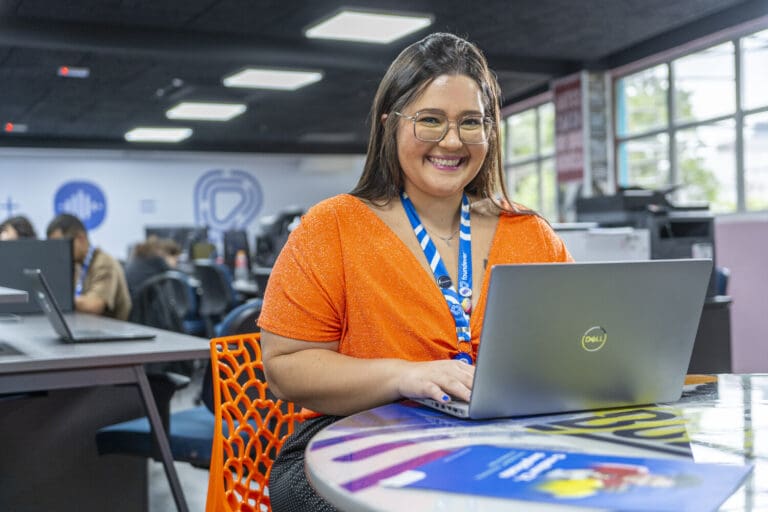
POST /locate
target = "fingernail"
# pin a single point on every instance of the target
(446, 398)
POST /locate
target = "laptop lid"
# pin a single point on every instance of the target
(580, 336)
(44, 297)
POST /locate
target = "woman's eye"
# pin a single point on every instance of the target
(472, 122)
(430, 120)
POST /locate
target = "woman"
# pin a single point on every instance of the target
(16, 228)
(354, 315)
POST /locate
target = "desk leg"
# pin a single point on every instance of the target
(161, 438)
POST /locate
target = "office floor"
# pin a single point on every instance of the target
(194, 481)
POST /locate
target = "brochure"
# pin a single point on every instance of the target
(587, 480)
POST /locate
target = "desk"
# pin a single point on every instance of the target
(44, 363)
(10, 295)
(725, 421)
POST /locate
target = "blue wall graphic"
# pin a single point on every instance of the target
(226, 199)
(84, 200)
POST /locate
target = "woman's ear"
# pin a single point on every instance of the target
(384, 118)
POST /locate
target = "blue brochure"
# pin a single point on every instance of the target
(588, 480)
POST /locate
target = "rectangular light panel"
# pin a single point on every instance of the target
(368, 27)
(272, 79)
(154, 134)
(206, 111)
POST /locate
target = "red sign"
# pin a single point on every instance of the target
(569, 133)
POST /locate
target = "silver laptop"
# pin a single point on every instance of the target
(42, 293)
(584, 336)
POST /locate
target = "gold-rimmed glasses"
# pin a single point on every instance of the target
(432, 126)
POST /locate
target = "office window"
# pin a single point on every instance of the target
(641, 100)
(756, 161)
(707, 164)
(529, 156)
(521, 136)
(754, 51)
(644, 162)
(697, 147)
(704, 84)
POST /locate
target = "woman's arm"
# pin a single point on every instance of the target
(316, 376)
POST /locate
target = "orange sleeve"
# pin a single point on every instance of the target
(305, 297)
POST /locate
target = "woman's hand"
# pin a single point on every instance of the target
(438, 380)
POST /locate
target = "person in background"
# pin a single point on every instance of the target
(100, 286)
(378, 295)
(150, 258)
(15, 228)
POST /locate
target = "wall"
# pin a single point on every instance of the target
(741, 245)
(167, 188)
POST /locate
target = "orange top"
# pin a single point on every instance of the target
(345, 276)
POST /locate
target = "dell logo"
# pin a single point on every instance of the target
(594, 339)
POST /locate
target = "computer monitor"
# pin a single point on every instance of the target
(54, 257)
(185, 236)
(235, 240)
(275, 231)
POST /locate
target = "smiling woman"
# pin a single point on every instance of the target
(371, 300)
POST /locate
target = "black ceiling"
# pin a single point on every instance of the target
(135, 50)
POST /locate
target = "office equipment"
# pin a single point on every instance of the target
(185, 236)
(42, 293)
(12, 295)
(569, 337)
(236, 240)
(54, 257)
(274, 233)
(675, 231)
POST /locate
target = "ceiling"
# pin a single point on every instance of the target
(146, 56)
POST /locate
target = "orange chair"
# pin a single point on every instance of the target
(251, 426)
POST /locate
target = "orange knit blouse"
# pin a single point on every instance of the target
(344, 276)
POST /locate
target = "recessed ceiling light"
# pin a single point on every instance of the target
(206, 111)
(154, 134)
(272, 79)
(368, 27)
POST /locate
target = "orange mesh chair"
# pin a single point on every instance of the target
(251, 426)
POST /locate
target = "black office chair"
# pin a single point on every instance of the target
(217, 297)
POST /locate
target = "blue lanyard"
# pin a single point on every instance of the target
(84, 271)
(459, 300)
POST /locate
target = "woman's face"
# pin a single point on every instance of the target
(9, 233)
(441, 169)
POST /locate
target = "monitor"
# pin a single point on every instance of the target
(235, 240)
(185, 236)
(54, 257)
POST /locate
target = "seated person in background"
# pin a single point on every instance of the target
(100, 286)
(15, 228)
(150, 258)
(378, 295)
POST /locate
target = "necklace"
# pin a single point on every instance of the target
(447, 239)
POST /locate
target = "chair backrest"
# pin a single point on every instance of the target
(256, 424)
(163, 301)
(241, 320)
(217, 295)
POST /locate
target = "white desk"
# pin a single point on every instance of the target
(720, 422)
(44, 363)
(10, 295)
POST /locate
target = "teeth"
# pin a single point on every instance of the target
(453, 162)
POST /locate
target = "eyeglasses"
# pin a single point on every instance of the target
(430, 126)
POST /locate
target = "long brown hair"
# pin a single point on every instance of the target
(413, 70)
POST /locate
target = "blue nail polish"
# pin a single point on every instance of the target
(446, 398)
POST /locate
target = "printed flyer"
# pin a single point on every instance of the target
(588, 480)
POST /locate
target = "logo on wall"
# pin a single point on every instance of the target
(84, 200)
(226, 199)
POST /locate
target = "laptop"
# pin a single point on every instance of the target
(583, 336)
(42, 293)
